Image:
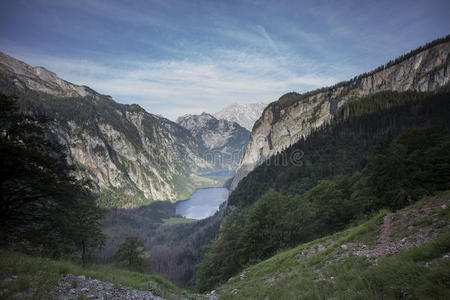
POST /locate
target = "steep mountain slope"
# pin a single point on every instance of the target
(133, 156)
(343, 146)
(321, 184)
(402, 255)
(243, 114)
(223, 142)
(294, 115)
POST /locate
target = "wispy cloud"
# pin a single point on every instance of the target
(175, 57)
(172, 87)
(267, 37)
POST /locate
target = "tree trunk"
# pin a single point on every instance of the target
(83, 252)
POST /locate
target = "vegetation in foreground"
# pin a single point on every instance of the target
(392, 256)
(24, 276)
(44, 208)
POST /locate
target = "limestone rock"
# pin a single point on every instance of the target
(293, 116)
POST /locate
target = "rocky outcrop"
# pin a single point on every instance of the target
(79, 287)
(222, 142)
(294, 115)
(243, 114)
(134, 157)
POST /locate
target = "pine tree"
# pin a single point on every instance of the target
(42, 205)
(132, 252)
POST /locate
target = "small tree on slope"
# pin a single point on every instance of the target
(132, 252)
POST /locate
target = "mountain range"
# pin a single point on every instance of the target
(222, 142)
(343, 192)
(133, 157)
(245, 114)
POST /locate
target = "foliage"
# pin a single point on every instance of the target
(87, 230)
(175, 220)
(332, 188)
(174, 248)
(274, 223)
(42, 274)
(132, 252)
(343, 146)
(43, 207)
(417, 163)
(222, 254)
(416, 273)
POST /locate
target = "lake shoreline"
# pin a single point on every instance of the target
(203, 203)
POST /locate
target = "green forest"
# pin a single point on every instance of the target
(385, 151)
(44, 209)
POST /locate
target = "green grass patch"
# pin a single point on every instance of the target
(337, 274)
(20, 272)
(423, 221)
(171, 221)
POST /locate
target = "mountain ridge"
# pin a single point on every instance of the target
(245, 114)
(223, 142)
(293, 116)
(134, 157)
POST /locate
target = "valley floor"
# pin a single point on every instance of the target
(401, 255)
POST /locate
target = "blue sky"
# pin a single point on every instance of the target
(177, 57)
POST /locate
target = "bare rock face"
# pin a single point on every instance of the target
(222, 142)
(133, 156)
(294, 115)
(243, 114)
(41, 79)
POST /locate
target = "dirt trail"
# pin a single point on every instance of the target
(385, 233)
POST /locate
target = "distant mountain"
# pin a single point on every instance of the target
(243, 114)
(133, 156)
(222, 142)
(294, 115)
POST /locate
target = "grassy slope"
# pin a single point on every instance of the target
(36, 277)
(171, 221)
(358, 264)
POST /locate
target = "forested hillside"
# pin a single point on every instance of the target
(175, 248)
(294, 116)
(384, 151)
(393, 255)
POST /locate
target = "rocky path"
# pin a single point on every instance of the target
(80, 287)
(385, 234)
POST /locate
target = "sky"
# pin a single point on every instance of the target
(178, 57)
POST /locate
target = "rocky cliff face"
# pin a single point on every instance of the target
(294, 115)
(243, 114)
(133, 156)
(222, 142)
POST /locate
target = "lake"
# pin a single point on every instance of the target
(203, 203)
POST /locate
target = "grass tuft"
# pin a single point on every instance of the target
(35, 276)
